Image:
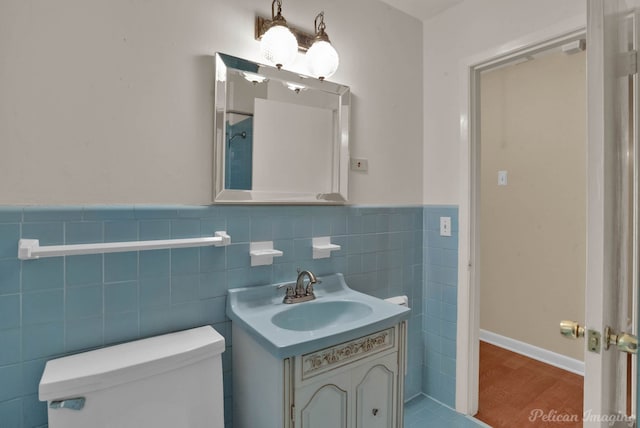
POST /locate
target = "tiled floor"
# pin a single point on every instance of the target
(425, 412)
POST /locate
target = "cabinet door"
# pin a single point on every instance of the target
(375, 393)
(324, 404)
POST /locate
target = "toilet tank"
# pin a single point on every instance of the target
(168, 381)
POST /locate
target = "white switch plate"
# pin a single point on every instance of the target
(359, 164)
(502, 178)
(445, 226)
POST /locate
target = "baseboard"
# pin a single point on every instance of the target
(552, 358)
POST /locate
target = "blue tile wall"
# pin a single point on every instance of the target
(440, 305)
(57, 306)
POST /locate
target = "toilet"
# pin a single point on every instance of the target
(168, 381)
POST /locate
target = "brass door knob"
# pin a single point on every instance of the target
(571, 329)
(625, 342)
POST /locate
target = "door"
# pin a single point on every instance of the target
(324, 404)
(611, 202)
(375, 398)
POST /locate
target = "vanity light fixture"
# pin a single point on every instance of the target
(322, 58)
(279, 48)
(278, 45)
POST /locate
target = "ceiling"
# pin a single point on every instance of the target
(423, 9)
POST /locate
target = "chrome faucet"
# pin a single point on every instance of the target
(300, 293)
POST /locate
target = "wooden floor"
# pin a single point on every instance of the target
(513, 386)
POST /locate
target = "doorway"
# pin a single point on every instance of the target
(521, 54)
(610, 108)
(532, 221)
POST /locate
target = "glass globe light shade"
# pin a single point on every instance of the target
(279, 46)
(322, 59)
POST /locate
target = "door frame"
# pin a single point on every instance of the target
(468, 317)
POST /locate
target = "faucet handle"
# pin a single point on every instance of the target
(290, 292)
(289, 286)
(309, 289)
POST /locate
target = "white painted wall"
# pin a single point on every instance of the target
(111, 101)
(464, 31)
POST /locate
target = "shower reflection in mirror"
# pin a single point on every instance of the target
(239, 151)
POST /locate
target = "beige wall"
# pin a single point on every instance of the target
(533, 230)
(110, 101)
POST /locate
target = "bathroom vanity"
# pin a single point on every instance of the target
(319, 368)
(358, 383)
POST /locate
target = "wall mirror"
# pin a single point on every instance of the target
(280, 137)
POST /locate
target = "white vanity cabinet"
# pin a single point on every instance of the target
(355, 384)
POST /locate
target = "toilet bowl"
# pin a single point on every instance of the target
(168, 381)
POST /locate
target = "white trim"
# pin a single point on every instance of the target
(468, 319)
(544, 355)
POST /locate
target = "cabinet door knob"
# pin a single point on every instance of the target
(375, 412)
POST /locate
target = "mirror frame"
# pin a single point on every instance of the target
(340, 167)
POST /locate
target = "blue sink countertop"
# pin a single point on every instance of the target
(338, 314)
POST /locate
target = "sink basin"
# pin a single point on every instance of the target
(338, 314)
(315, 316)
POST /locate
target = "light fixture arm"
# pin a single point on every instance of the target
(277, 19)
(319, 28)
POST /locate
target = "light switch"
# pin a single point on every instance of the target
(502, 178)
(445, 226)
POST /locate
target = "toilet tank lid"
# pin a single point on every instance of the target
(107, 367)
